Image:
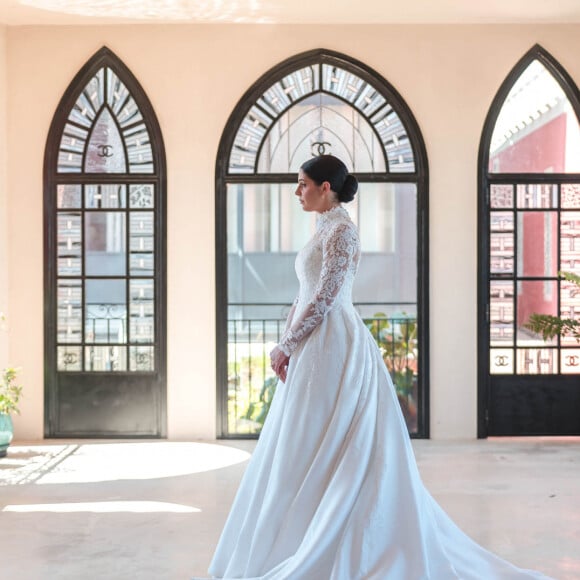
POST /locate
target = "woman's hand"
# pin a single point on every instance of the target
(279, 363)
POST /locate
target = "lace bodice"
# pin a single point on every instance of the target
(325, 267)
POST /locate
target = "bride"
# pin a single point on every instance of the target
(332, 490)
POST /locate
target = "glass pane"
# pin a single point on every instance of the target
(571, 195)
(141, 195)
(141, 358)
(537, 195)
(501, 361)
(501, 253)
(502, 221)
(105, 151)
(105, 253)
(502, 196)
(105, 196)
(68, 196)
(540, 297)
(105, 311)
(501, 313)
(142, 310)
(538, 243)
(69, 358)
(537, 129)
(569, 307)
(251, 381)
(537, 361)
(333, 118)
(72, 146)
(570, 241)
(105, 358)
(70, 311)
(570, 361)
(318, 125)
(139, 149)
(69, 244)
(141, 243)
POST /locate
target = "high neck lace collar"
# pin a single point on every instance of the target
(331, 215)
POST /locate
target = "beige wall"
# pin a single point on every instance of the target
(194, 76)
(3, 203)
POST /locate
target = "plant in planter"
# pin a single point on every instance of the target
(10, 393)
(550, 326)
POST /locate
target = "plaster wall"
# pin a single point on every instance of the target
(194, 75)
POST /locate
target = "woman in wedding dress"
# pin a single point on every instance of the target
(332, 491)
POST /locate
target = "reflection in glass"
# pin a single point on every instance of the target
(105, 253)
(501, 253)
(119, 138)
(537, 195)
(537, 129)
(502, 196)
(321, 124)
(570, 242)
(501, 361)
(105, 311)
(142, 311)
(501, 296)
(141, 195)
(309, 121)
(105, 358)
(69, 311)
(69, 358)
(141, 358)
(69, 243)
(570, 193)
(535, 296)
(570, 361)
(105, 152)
(537, 243)
(105, 196)
(68, 196)
(502, 221)
(537, 361)
(569, 307)
(141, 243)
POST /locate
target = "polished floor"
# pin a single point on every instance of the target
(153, 510)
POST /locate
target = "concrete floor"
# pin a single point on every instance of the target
(84, 510)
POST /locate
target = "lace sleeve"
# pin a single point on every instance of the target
(291, 314)
(339, 251)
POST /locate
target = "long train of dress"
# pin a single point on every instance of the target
(332, 491)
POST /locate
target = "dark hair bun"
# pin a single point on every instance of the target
(348, 190)
(329, 168)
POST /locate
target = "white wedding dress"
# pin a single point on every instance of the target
(332, 490)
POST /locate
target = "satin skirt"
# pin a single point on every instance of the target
(332, 491)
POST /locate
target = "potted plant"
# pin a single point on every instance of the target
(550, 326)
(10, 393)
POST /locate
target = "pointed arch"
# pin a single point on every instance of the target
(105, 258)
(517, 192)
(383, 128)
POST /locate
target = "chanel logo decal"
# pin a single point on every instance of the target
(70, 358)
(320, 147)
(105, 150)
(573, 360)
(501, 361)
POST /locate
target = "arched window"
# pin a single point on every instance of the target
(318, 102)
(530, 229)
(104, 191)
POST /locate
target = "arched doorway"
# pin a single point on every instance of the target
(104, 192)
(529, 216)
(313, 103)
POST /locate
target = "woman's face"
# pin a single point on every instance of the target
(312, 196)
